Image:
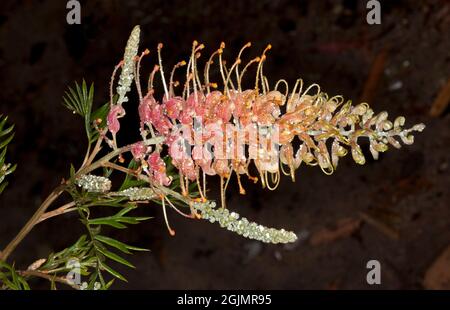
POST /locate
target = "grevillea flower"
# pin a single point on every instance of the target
(215, 118)
(116, 112)
(212, 130)
(157, 169)
(138, 150)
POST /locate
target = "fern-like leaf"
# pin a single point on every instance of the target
(6, 135)
(79, 100)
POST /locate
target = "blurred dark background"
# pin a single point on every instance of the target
(395, 210)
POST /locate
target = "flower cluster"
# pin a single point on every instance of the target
(212, 128)
(208, 131)
(136, 193)
(94, 183)
(128, 68)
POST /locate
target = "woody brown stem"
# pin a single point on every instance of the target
(35, 273)
(68, 207)
(36, 218)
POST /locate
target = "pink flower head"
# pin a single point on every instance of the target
(112, 119)
(242, 106)
(224, 110)
(162, 178)
(188, 168)
(211, 101)
(222, 168)
(196, 101)
(203, 159)
(173, 107)
(138, 150)
(155, 161)
(176, 150)
(157, 169)
(187, 115)
(159, 120)
(145, 109)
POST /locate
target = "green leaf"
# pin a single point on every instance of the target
(14, 275)
(79, 100)
(11, 278)
(4, 132)
(108, 285)
(7, 130)
(134, 248)
(107, 221)
(9, 284)
(114, 243)
(24, 284)
(112, 272)
(72, 171)
(101, 113)
(131, 181)
(132, 220)
(115, 257)
(5, 142)
(125, 210)
(118, 245)
(2, 186)
(6, 136)
(53, 285)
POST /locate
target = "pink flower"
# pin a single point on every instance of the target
(188, 168)
(138, 150)
(159, 120)
(152, 113)
(154, 161)
(157, 169)
(112, 119)
(187, 115)
(196, 102)
(203, 159)
(173, 107)
(222, 168)
(145, 109)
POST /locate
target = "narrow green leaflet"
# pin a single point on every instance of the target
(118, 245)
(6, 136)
(79, 100)
(113, 272)
(115, 257)
(131, 181)
(10, 279)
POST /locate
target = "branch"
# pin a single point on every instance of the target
(35, 273)
(32, 221)
(68, 207)
(61, 188)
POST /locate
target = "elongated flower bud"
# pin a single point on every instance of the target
(232, 222)
(136, 193)
(127, 74)
(94, 183)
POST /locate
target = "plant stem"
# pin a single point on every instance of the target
(35, 273)
(162, 189)
(68, 207)
(32, 221)
(61, 188)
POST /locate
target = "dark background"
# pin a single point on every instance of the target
(405, 193)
